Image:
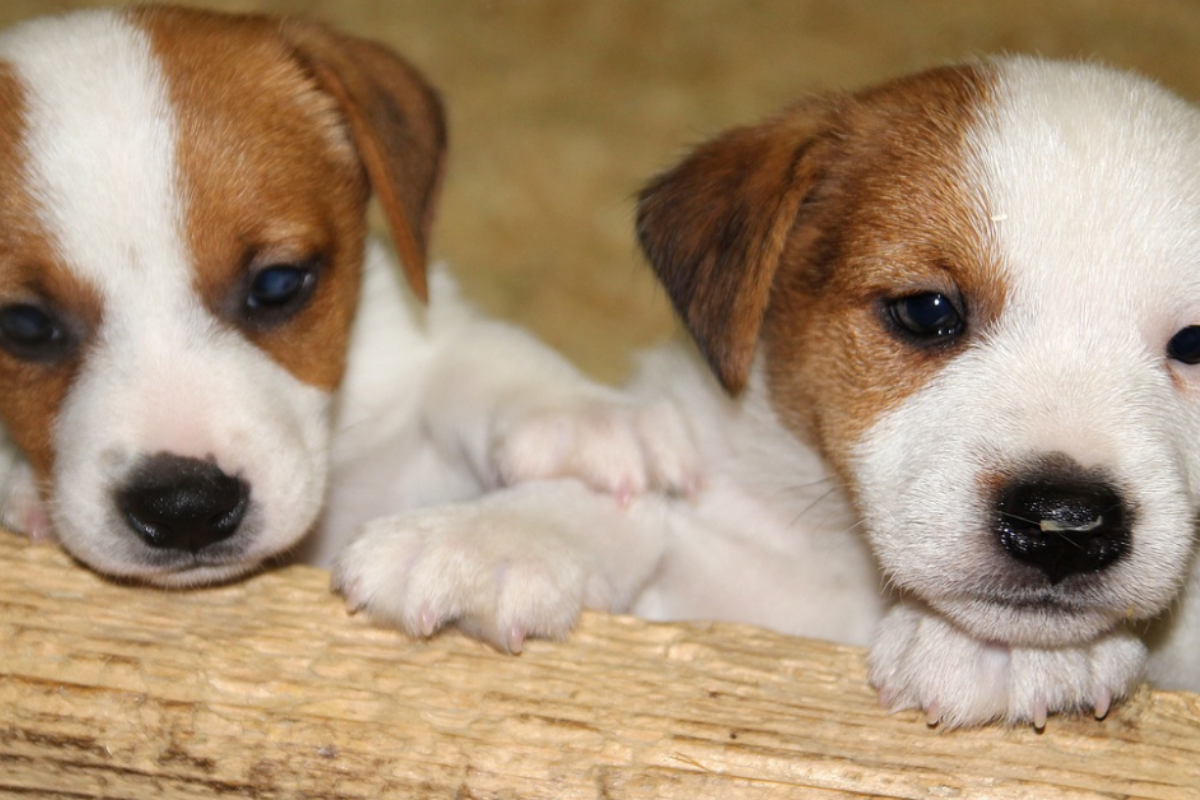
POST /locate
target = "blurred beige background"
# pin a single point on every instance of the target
(559, 109)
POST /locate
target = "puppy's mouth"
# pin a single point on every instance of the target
(190, 570)
(1032, 617)
(201, 576)
(1047, 602)
(1023, 589)
(1050, 605)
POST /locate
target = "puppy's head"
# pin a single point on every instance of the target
(977, 292)
(182, 224)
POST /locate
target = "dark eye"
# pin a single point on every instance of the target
(31, 333)
(280, 290)
(927, 316)
(1185, 345)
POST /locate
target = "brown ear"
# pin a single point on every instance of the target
(398, 127)
(715, 226)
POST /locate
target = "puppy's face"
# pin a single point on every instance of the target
(181, 237)
(976, 291)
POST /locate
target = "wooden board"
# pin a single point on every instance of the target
(267, 689)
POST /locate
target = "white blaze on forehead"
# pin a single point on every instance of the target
(101, 146)
(1093, 181)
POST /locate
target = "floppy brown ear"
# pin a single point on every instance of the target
(398, 127)
(715, 226)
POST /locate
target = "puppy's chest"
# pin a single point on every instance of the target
(748, 553)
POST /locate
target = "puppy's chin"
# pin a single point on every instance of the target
(199, 576)
(173, 570)
(1036, 622)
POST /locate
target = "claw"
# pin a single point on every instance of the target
(1039, 716)
(429, 622)
(355, 602)
(516, 639)
(933, 715)
(1103, 703)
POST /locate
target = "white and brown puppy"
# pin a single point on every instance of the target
(956, 325)
(975, 294)
(194, 371)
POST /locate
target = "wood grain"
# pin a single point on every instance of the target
(267, 689)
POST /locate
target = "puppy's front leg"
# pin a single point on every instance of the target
(516, 411)
(920, 660)
(523, 561)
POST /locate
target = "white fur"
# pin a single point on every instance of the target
(766, 537)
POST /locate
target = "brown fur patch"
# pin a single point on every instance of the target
(268, 176)
(32, 271)
(283, 127)
(715, 226)
(789, 237)
(894, 213)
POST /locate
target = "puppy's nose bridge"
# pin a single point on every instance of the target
(1063, 524)
(1091, 402)
(176, 503)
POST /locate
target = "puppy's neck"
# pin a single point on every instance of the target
(389, 343)
(783, 469)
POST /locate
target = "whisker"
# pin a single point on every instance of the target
(804, 511)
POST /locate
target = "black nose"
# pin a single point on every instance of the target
(177, 503)
(1063, 527)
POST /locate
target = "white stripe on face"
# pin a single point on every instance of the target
(101, 147)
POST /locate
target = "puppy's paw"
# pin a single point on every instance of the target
(21, 507)
(614, 445)
(919, 660)
(498, 579)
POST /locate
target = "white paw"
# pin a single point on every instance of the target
(611, 444)
(495, 576)
(21, 507)
(919, 660)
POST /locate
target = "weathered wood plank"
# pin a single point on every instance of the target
(268, 689)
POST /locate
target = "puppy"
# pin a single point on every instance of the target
(195, 371)
(954, 324)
